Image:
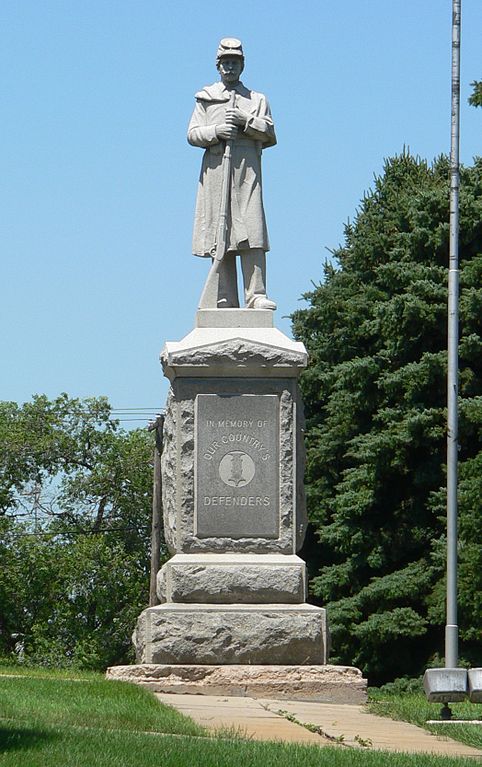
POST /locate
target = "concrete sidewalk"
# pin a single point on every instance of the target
(347, 725)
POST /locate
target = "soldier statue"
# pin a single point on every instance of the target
(227, 114)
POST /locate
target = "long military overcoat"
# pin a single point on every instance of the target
(246, 220)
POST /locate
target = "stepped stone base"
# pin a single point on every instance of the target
(232, 579)
(325, 684)
(232, 634)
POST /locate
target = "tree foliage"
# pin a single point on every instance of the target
(375, 394)
(475, 98)
(75, 505)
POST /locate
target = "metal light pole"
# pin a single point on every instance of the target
(451, 628)
(450, 684)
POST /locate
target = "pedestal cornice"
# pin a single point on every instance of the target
(248, 347)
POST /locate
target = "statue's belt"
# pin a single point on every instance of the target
(219, 148)
(244, 141)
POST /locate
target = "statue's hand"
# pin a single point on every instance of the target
(236, 116)
(226, 131)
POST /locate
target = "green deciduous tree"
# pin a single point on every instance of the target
(375, 393)
(75, 505)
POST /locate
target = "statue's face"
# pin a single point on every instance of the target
(230, 68)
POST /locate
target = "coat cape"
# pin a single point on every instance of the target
(246, 221)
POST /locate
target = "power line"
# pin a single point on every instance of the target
(123, 420)
(102, 531)
(128, 409)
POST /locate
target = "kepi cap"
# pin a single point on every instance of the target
(229, 46)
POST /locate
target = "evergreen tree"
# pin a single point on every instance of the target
(475, 98)
(375, 400)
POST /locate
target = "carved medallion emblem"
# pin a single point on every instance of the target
(236, 469)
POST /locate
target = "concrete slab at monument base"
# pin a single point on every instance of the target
(232, 634)
(326, 684)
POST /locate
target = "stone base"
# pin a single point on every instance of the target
(233, 579)
(232, 634)
(234, 318)
(325, 684)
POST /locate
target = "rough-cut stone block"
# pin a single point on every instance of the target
(326, 684)
(227, 634)
(232, 579)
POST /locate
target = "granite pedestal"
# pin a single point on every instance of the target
(233, 593)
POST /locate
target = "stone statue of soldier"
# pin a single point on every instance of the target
(243, 119)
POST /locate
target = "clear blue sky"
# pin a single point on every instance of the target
(97, 181)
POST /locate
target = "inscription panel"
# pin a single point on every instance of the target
(237, 466)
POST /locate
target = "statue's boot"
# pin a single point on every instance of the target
(262, 302)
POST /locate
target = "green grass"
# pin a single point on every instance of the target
(47, 747)
(414, 708)
(89, 703)
(50, 720)
(34, 672)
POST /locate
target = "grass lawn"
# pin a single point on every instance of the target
(36, 672)
(51, 720)
(89, 703)
(413, 707)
